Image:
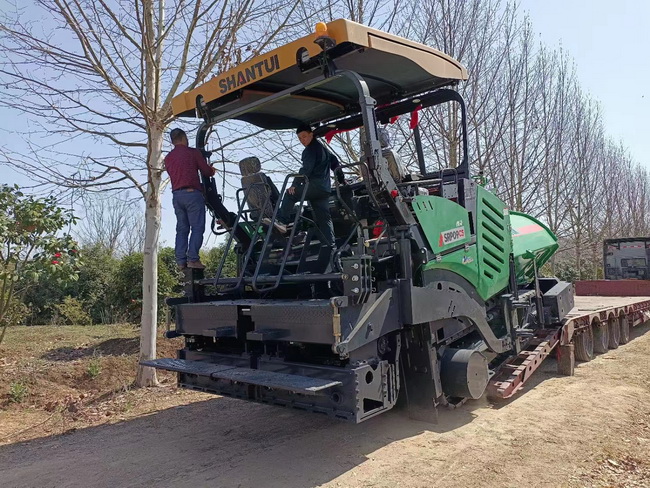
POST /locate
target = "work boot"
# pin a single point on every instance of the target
(195, 265)
(182, 266)
(282, 228)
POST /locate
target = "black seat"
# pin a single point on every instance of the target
(259, 187)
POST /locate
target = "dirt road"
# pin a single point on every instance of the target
(592, 429)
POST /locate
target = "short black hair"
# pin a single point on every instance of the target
(177, 134)
(303, 128)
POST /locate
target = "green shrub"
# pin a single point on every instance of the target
(94, 367)
(72, 312)
(212, 259)
(16, 313)
(126, 286)
(18, 391)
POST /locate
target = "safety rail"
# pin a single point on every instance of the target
(240, 212)
(267, 239)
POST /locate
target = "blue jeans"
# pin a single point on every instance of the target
(189, 207)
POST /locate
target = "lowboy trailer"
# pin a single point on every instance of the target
(595, 325)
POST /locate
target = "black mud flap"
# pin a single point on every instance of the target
(421, 380)
(269, 379)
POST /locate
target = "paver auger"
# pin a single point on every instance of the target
(432, 284)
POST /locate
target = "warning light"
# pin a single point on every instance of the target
(323, 40)
(321, 29)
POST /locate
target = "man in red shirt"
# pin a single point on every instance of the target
(183, 164)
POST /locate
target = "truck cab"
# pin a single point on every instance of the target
(627, 258)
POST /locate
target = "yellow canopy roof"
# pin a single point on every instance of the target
(392, 66)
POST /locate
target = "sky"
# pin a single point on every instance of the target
(610, 44)
(608, 41)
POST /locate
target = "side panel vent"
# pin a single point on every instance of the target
(494, 242)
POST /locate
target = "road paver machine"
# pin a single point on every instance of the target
(432, 284)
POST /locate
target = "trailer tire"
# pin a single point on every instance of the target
(584, 345)
(614, 332)
(624, 325)
(601, 336)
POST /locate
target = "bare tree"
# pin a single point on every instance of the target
(104, 73)
(116, 224)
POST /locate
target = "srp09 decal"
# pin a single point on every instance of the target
(451, 235)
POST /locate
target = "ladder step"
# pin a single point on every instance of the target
(269, 379)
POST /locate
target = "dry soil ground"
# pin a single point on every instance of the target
(81, 424)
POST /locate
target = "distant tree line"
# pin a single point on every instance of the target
(47, 277)
(108, 288)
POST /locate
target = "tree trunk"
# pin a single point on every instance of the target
(149, 326)
(148, 331)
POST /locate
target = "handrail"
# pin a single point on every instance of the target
(254, 240)
(267, 240)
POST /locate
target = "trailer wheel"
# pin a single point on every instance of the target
(614, 332)
(601, 336)
(584, 345)
(624, 326)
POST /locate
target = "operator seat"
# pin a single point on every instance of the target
(259, 186)
(392, 158)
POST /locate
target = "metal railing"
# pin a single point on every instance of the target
(254, 238)
(267, 240)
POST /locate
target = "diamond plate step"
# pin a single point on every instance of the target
(281, 381)
(200, 368)
(221, 332)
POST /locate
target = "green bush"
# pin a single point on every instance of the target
(212, 259)
(34, 245)
(18, 391)
(94, 367)
(94, 282)
(16, 313)
(126, 286)
(72, 312)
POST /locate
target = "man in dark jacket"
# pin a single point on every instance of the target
(183, 164)
(316, 165)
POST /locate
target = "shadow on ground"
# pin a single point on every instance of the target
(121, 346)
(220, 442)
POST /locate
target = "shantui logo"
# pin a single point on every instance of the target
(452, 235)
(246, 75)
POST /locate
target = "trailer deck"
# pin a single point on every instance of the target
(589, 313)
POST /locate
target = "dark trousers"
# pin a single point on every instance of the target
(189, 207)
(319, 201)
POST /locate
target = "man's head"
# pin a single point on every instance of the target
(305, 135)
(178, 137)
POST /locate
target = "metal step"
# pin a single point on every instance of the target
(228, 331)
(281, 381)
